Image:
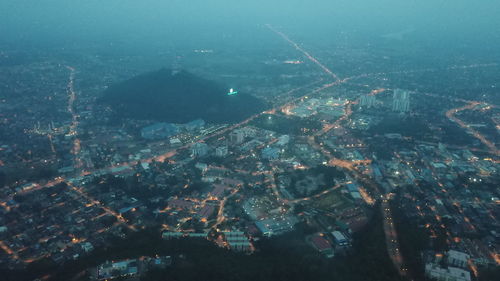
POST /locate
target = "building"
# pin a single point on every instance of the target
(199, 149)
(112, 270)
(401, 101)
(87, 247)
(249, 132)
(270, 227)
(205, 212)
(177, 235)
(457, 259)
(283, 140)
(175, 142)
(214, 173)
(340, 239)
(250, 145)
(159, 131)
(197, 124)
(219, 190)
(321, 244)
(354, 191)
(201, 166)
(270, 153)
(159, 262)
(130, 269)
(302, 111)
(221, 151)
(237, 241)
(237, 137)
(438, 273)
(367, 101)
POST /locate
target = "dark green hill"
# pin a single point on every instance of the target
(178, 98)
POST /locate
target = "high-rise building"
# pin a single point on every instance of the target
(199, 149)
(237, 136)
(176, 65)
(401, 101)
(367, 101)
(221, 151)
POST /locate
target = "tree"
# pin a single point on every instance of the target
(3, 179)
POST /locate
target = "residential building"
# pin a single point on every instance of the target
(456, 258)
(401, 101)
(221, 151)
(434, 271)
(237, 137)
(199, 149)
(367, 101)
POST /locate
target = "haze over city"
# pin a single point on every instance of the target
(249, 140)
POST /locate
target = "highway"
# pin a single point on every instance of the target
(406, 72)
(93, 201)
(304, 52)
(73, 129)
(324, 192)
(391, 238)
(471, 105)
(220, 213)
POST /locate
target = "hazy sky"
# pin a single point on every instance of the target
(33, 20)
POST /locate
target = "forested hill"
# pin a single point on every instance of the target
(178, 98)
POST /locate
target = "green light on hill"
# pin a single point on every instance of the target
(232, 92)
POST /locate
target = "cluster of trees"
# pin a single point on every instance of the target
(287, 257)
(3, 179)
(324, 175)
(409, 126)
(413, 240)
(455, 135)
(178, 98)
(287, 125)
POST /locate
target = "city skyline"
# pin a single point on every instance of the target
(201, 143)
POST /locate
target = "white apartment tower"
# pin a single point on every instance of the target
(401, 101)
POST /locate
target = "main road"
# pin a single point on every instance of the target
(471, 105)
(73, 128)
(391, 238)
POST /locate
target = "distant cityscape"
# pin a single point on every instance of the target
(329, 155)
